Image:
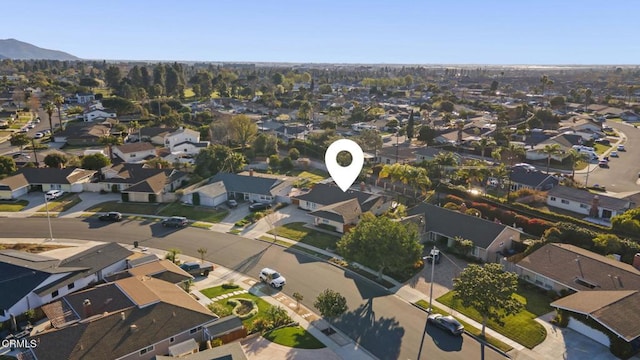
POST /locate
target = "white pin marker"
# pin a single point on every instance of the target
(344, 176)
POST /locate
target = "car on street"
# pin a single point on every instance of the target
(272, 277)
(621, 148)
(259, 206)
(448, 323)
(603, 164)
(19, 155)
(603, 141)
(614, 154)
(111, 216)
(31, 126)
(53, 194)
(232, 203)
(38, 135)
(434, 256)
(175, 221)
(525, 166)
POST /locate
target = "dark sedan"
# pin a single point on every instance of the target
(259, 206)
(175, 221)
(111, 216)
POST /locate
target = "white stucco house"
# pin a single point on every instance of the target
(135, 152)
(587, 203)
(94, 114)
(184, 141)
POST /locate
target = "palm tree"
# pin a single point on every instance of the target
(49, 108)
(551, 150)
(58, 100)
(483, 144)
(587, 98)
(110, 141)
(516, 152)
(575, 156)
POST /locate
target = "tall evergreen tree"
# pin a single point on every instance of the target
(410, 126)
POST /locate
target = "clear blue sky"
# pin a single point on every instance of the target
(331, 31)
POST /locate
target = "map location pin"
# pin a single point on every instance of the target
(344, 176)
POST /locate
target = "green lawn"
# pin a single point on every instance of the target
(262, 306)
(309, 178)
(62, 204)
(295, 337)
(469, 328)
(600, 148)
(296, 231)
(194, 212)
(13, 206)
(217, 291)
(520, 327)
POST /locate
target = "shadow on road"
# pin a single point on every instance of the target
(381, 336)
(159, 231)
(443, 340)
(246, 265)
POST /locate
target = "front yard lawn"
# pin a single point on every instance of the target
(197, 213)
(13, 206)
(295, 337)
(248, 323)
(520, 327)
(62, 204)
(600, 148)
(298, 232)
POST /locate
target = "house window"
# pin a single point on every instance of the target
(54, 294)
(132, 155)
(193, 331)
(146, 350)
(584, 206)
(566, 202)
(475, 252)
(553, 198)
(71, 286)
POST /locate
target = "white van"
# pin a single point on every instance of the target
(53, 194)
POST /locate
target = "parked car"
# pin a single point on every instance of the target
(434, 255)
(603, 141)
(272, 277)
(525, 166)
(448, 323)
(621, 148)
(111, 216)
(603, 164)
(175, 221)
(614, 154)
(232, 203)
(19, 155)
(38, 135)
(53, 194)
(31, 126)
(259, 206)
(197, 269)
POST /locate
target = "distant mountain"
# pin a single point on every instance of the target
(14, 49)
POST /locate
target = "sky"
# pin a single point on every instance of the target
(511, 32)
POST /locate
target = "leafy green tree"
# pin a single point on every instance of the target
(299, 297)
(110, 141)
(489, 290)
(94, 161)
(112, 76)
(331, 304)
(120, 105)
(483, 144)
(274, 161)
(462, 246)
(574, 156)
(410, 126)
(627, 222)
(294, 153)
(217, 158)
(7, 165)
(19, 139)
(243, 129)
(304, 111)
(427, 134)
(55, 160)
(381, 243)
(278, 316)
(369, 140)
(286, 164)
(608, 243)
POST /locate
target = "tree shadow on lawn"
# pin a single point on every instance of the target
(381, 336)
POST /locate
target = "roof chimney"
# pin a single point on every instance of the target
(250, 172)
(122, 316)
(86, 306)
(636, 261)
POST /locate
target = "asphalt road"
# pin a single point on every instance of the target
(6, 148)
(384, 324)
(622, 174)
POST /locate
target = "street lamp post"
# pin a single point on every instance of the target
(48, 217)
(433, 268)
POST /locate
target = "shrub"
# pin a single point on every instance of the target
(521, 221)
(451, 206)
(230, 285)
(473, 212)
(454, 199)
(243, 308)
(507, 217)
(537, 226)
(219, 309)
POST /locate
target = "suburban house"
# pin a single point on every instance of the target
(13, 187)
(491, 240)
(80, 135)
(587, 203)
(341, 216)
(154, 134)
(145, 317)
(135, 152)
(566, 140)
(606, 289)
(231, 351)
(429, 153)
(31, 280)
(162, 269)
(629, 116)
(522, 178)
(139, 183)
(252, 187)
(69, 179)
(184, 141)
(95, 114)
(84, 98)
(396, 154)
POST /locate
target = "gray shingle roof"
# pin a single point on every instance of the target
(534, 179)
(327, 194)
(54, 175)
(452, 223)
(586, 197)
(246, 184)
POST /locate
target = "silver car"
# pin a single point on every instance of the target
(448, 323)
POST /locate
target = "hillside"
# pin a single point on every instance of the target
(14, 49)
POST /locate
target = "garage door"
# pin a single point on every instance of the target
(585, 330)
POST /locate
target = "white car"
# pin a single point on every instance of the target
(53, 194)
(525, 166)
(272, 278)
(621, 148)
(31, 126)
